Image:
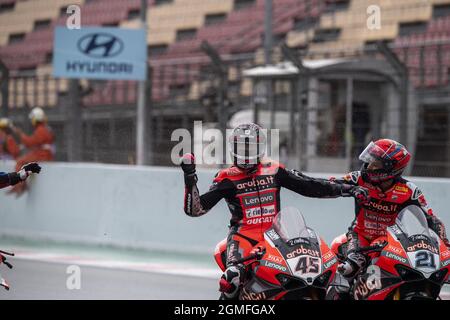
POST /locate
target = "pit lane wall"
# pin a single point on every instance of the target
(142, 208)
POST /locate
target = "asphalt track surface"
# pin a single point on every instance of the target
(44, 272)
(36, 280)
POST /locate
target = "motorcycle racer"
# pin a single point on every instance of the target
(383, 164)
(251, 188)
(12, 178)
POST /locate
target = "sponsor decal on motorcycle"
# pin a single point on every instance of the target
(391, 255)
(368, 283)
(247, 295)
(273, 235)
(256, 212)
(361, 290)
(327, 256)
(273, 265)
(275, 259)
(303, 251)
(418, 237)
(297, 241)
(445, 254)
(445, 263)
(394, 249)
(396, 230)
(422, 245)
(329, 263)
(255, 183)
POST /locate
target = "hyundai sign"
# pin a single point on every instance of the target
(100, 53)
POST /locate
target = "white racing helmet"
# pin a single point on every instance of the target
(247, 145)
(37, 115)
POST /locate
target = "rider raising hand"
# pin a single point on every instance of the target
(251, 188)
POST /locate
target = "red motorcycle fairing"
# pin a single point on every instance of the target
(299, 267)
(396, 271)
(393, 271)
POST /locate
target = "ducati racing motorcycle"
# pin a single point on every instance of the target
(3, 282)
(413, 264)
(291, 263)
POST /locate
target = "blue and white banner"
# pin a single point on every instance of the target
(100, 53)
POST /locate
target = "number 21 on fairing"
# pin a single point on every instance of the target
(425, 259)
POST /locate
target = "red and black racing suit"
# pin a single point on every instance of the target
(254, 200)
(8, 179)
(372, 218)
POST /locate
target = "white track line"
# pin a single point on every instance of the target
(155, 267)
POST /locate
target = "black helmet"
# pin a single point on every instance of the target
(247, 144)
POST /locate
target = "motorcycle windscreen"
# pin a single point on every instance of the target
(412, 221)
(290, 224)
(422, 248)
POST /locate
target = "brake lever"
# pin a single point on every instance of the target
(260, 253)
(9, 265)
(373, 248)
(257, 255)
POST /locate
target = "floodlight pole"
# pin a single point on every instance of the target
(268, 45)
(142, 147)
(4, 79)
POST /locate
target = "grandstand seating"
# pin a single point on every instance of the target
(240, 31)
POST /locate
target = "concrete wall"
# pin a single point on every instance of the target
(141, 207)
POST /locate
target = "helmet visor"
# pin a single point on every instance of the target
(247, 150)
(373, 153)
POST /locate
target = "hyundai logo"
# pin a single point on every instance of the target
(100, 45)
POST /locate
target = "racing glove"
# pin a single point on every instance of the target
(231, 281)
(359, 193)
(351, 265)
(28, 169)
(187, 164)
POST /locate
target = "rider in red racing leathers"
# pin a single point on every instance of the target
(10, 179)
(251, 188)
(383, 163)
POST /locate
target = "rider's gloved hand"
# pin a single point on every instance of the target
(231, 281)
(359, 193)
(28, 169)
(351, 265)
(187, 164)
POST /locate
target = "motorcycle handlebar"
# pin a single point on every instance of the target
(376, 247)
(3, 259)
(7, 253)
(256, 256)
